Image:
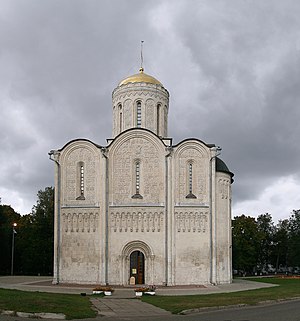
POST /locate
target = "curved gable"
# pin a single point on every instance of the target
(136, 168)
(192, 161)
(80, 165)
(79, 140)
(192, 144)
(136, 133)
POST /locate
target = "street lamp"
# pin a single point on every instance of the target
(12, 248)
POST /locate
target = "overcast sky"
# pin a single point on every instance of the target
(232, 69)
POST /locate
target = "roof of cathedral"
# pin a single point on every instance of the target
(140, 77)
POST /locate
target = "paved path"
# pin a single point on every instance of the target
(126, 308)
(44, 284)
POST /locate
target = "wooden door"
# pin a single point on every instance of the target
(137, 267)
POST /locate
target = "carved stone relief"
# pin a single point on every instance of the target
(165, 121)
(136, 221)
(80, 222)
(133, 91)
(123, 176)
(72, 178)
(128, 113)
(150, 95)
(224, 187)
(192, 221)
(150, 115)
(199, 178)
(115, 117)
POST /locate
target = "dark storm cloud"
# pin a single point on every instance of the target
(247, 57)
(232, 69)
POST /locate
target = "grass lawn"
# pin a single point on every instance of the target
(73, 306)
(288, 288)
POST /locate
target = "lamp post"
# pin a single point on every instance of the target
(13, 248)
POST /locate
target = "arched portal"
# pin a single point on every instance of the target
(137, 266)
(137, 261)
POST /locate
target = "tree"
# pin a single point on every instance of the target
(294, 239)
(37, 253)
(245, 243)
(258, 243)
(34, 238)
(8, 216)
(281, 244)
(266, 234)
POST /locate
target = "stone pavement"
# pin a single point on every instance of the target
(126, 308)
(44, 284)
(123, 302)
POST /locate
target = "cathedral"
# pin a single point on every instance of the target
(141, 210)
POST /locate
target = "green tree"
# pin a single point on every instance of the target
(25, 248)
(8, 216)
(294, 239)
(281, 244)
(245, 243)
(36, 236)
(266, 231)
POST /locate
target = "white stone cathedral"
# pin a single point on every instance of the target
(141, 209)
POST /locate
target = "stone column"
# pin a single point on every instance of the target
(170, 237)
(57, 206)
(103, 221)
(213, 220)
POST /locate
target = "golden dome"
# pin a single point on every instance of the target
(140, 77)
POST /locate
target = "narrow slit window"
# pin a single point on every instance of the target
(137, 178)
(157, 119)
(190, 181)
(137, 169)
(120, 118)
(81, 182)
(190, 178)
(138, 114)
(121, 121)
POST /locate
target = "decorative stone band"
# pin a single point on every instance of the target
(191, 221)
(80, 222)
(140, 90)
(224, 188)
(135, 221)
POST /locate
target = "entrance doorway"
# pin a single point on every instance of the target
(137, 267)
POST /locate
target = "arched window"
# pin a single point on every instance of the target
(138, 114)
(80, 180)
(137, 179)
(157, 119)
(190, 180)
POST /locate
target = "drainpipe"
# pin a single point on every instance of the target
(104, 152)
(217, 151)
(52, 155)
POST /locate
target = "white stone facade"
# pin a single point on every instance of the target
(141, 207)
